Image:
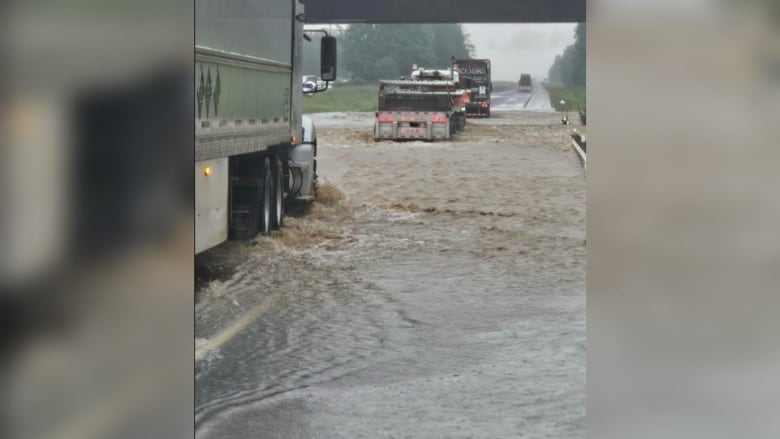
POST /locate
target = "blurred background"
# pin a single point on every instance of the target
(96, 219)
(683, 247)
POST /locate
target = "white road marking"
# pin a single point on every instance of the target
(234, 328)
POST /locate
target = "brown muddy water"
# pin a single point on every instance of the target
(433, 290)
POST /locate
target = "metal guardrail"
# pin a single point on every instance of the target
(580, 152)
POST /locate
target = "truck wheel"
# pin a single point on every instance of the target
(266, 198)
(314, 168)
(277, 214)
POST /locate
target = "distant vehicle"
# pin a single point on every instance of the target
(313, 83)
(309, 87)
(475, 77)
(525, 83)
(427, 105)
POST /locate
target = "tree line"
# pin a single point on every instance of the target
(568, 69)
(368, 52)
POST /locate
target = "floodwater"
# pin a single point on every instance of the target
(537, 99)
(434, 290)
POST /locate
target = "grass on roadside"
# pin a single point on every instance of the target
(342, 97)
(574, 97)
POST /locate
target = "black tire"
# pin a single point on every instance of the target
(314, 180)
(266, 199)
(277, 205)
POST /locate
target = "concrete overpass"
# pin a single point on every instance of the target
(444, 11)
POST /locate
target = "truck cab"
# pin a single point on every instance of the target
(525, 84)
(475, 76)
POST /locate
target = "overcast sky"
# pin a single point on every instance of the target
(520, 48)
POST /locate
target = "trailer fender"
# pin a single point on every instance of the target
(302, 171)
(302, 163)
(309, 131)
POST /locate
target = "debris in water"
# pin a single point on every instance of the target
(329, 194)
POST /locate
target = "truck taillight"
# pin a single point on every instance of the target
(484, 104)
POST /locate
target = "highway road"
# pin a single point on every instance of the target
(434, 290)
(515, 100)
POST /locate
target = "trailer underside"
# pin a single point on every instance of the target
(414, 125)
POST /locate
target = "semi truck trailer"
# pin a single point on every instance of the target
(254, 150)
(525, 84)
(427, 106)
(474, 76)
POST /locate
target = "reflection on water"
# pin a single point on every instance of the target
(457, 261)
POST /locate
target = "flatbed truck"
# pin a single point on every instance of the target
(427, 106)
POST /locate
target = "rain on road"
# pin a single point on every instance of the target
(433, 290)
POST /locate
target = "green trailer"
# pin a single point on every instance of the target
(253, 148)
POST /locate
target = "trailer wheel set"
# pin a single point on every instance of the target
(260, 184)
(256, 195)
(278, 180)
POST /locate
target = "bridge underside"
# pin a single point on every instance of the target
(444, 11)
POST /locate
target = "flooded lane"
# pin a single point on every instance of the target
(538, 99)
(443, 296)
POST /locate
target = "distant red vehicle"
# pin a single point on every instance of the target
(525, 83)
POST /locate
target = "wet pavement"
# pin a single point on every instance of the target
(433, 290)
(513, 100)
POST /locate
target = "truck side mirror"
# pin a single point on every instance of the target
(328, 58)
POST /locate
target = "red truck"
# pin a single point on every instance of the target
(525, 83)
(474, 76)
